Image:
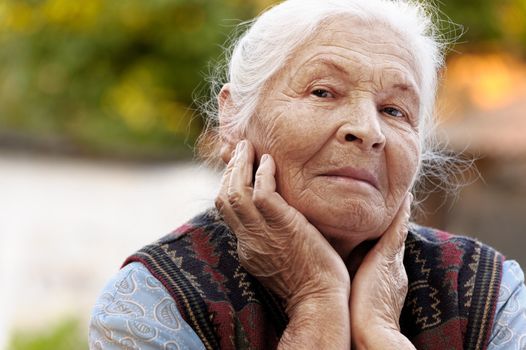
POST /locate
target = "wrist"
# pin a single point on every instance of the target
(318, 322)
(318, 303)
(378, 337)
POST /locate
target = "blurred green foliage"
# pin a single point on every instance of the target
(108, 77)
(103, 77)
(489, 25)
(66, 335)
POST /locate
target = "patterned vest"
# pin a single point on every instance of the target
(453, 288)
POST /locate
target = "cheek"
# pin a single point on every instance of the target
(291, 133)
(403, 159)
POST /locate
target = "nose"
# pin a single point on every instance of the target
(362, 128)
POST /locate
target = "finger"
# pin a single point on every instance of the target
(231, 218)
(239, 191)
(265, 182)
(244, 164)
(223, 187)
(221, 202)
(222, 197)
(225, 179)
(392, 241)
(270, 204)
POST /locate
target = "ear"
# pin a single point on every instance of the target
(227, 113)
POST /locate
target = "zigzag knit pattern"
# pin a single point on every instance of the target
(454, 285)
(453, 288)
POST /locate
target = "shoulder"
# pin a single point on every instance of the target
(457, 263)
(208, 222)
(183, 259)
(185, 254)
(451, 249)
(207, 228)
(134, 310)
(437, 236)
(461, 263)
(199, 269)
(452, 277)
(509, 328)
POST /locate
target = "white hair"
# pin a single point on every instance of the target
(270, 39)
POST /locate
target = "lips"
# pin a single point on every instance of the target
(355, 174)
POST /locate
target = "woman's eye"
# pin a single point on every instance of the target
(322, 93)
(393, 112)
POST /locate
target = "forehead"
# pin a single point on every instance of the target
(370, 49)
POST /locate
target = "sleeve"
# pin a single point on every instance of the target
(509, 327)
(134, 311)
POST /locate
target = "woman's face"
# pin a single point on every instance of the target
(341, 122)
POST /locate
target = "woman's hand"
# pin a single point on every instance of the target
(288, 255)
(379, 289)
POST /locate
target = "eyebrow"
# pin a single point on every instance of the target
(403, 86)
(311, 64)
(407, 88)
(332, 64)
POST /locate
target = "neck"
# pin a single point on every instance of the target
(352, 252)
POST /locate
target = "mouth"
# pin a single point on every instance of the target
(354, 174)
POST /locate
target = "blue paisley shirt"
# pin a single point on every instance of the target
(134, 311)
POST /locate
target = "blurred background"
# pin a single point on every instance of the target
(97, 127)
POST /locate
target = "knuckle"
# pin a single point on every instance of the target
(258, 183)
(286, 221)
(225, 179)
(219, 203)
(235, 199)
(402, 274)
(231, 163)
(259, 176)
(260, 199)
(404, 283)
(243, 252)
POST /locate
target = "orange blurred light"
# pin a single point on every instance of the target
(489, 81)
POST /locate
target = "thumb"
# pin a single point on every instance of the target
(392, 241)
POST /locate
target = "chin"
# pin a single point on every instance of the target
(360, 218)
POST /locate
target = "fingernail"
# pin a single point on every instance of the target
(264, 158)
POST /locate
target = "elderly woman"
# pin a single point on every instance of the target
(324, 126)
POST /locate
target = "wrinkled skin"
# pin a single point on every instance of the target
(273, 236)
(337, 141)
